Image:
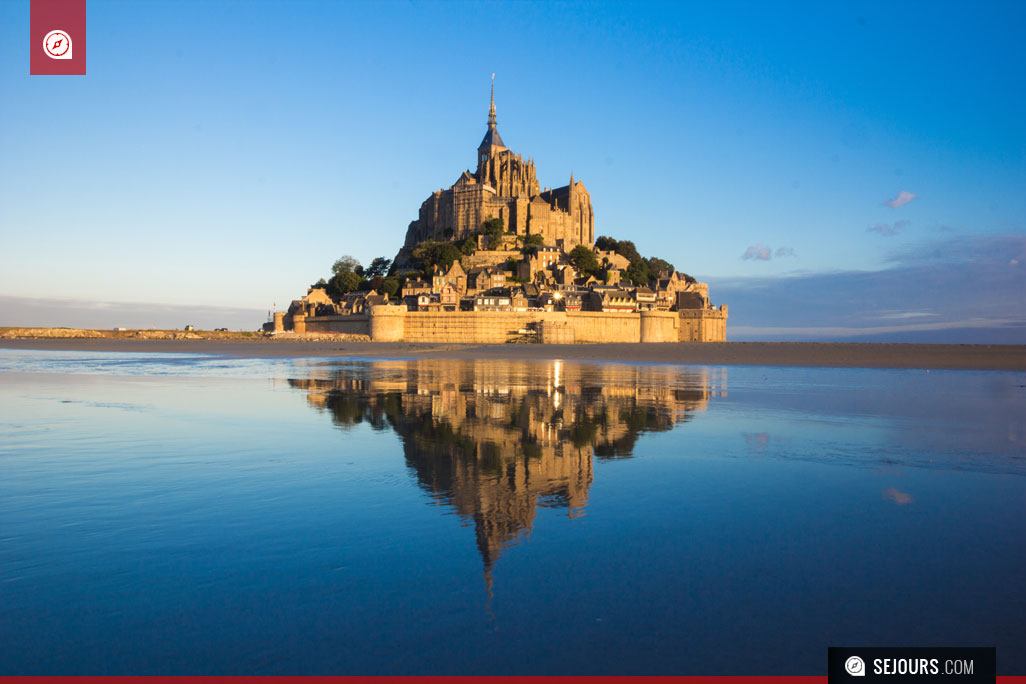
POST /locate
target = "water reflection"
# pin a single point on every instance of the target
(496, 440)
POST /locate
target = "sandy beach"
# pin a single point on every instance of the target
(852, 355)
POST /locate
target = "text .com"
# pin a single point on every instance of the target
(911, 666)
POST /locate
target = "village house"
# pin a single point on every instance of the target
(571, 300)
(546, 301)
(518, 299)
(414, 287)
(645, 298)
(612, 260)
(497, 299)
(544, 258)
(610, 299)
(482, 278)
(449, 297)
(454, 275)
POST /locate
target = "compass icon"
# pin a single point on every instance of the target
(57, 45)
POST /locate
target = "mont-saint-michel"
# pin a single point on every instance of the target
(497, 257)
(499, 432)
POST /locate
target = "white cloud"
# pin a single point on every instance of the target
(888, 230)
(903, 198)
(883, 229)
(758, 253)
(904, 315)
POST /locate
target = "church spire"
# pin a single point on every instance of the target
(491, 108)
(490, 146)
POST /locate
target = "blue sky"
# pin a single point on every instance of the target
(224, 154)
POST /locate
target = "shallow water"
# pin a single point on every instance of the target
(184, 514)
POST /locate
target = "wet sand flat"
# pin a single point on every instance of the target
(811, 354)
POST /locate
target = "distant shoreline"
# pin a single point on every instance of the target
(805, 354)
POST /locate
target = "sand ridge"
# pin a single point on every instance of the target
(809, 354)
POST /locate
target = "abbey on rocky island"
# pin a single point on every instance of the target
(505, 186)
(497, 258)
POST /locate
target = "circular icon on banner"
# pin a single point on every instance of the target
(57, 45)
(855, 667)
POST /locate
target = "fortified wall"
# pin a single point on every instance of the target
(397, 324)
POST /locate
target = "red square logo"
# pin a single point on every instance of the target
(57, 38)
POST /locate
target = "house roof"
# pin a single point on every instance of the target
(495, 292)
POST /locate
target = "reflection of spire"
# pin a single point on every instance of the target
(489, 554)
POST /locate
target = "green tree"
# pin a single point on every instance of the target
(584, 260)
(468, 245)
(390, 287)
(346, 263)
(657, 266)
(641, 271)
(638, 274)
(627, 250)
(430, 254)
(378, 267)
(532, 242)
(342, 283)
(345, 276)
(492, 229)
(320, 283)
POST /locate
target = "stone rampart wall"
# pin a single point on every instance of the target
(486, 327)
(354, 325)
(393, 323)
(703, 325)
(598, 326)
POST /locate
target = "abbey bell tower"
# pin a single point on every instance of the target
(492, 143)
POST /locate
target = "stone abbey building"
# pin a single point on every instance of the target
(505, 186)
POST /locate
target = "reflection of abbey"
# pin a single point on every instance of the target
(497, 257)
(496, 441)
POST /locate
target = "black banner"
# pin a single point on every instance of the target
(869, 665)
